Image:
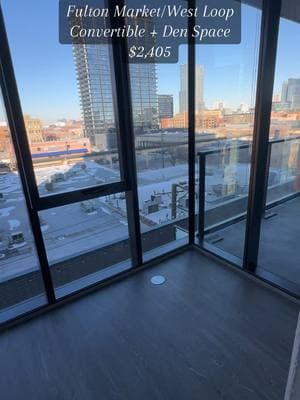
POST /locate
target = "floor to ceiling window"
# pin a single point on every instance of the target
(84, 240)
(95, 162)
(21, 284)
(225, 99)
(279, 252)
(68, 94)
(160, 115)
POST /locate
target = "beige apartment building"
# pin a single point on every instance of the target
(33, 128)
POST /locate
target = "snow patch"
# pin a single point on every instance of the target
(5, 212)
(13, 224)
(105, 211)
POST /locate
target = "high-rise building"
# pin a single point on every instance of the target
(290, 93)
(284, 92)
(165, 106)
(93, 67)
(95, 89)
(183, 93)
(296, 101)
(144, 97)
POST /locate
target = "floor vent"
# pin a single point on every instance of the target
(158, 280)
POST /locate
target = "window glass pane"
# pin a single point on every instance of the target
(21, 285)
(284, 165)
(279, 242)
(162, 164)
(86, 241)
(67, 94)
(161, 144)
(226, 75)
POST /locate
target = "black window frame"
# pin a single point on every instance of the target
(271, 14)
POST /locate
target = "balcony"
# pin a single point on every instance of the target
(278, 232)
(222, 218)
(223, 177)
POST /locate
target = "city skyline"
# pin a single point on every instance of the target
(217, 105)
(230, 70)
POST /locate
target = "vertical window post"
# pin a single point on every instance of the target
(21, 146)
(127, 141)
(259, 160)
(191, 123)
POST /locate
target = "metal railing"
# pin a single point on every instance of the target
(202, 181)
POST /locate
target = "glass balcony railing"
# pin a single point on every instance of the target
(222, 193)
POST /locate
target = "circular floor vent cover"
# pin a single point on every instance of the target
(158, 280)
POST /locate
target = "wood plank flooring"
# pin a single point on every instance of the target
(208, 333)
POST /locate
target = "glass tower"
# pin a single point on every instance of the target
(94, 71)
(183, 94)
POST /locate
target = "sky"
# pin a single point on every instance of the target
(46, 75)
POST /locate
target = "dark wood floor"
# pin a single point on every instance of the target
(208, 333)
